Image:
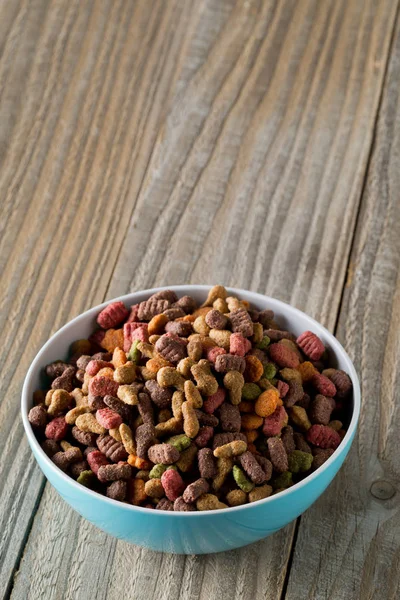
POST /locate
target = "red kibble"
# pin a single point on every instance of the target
(96, 459)
(212, 353)
(108, 418)
(283, 356)
(103, 386)
(56, 429)
(239, 345)
(135, 331)
(173, 484)
(282, 388)
(275, 422)
(311, 345)
(323, 436)
(133, 316)
(94, 366)
(112, 315)
(323, 385)
(213, 402)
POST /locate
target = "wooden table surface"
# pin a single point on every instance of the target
(245, 142)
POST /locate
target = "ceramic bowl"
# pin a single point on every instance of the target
(192, 532)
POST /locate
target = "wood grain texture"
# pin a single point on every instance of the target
(349, 541)
(168, 142)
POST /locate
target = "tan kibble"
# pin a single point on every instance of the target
(235, 448)
(127, 394)
(147, 374)
(336, 425)
(107, 372)
(300, 417)
(88, 422)
(60, 400)
(187, 458)
(65, 445)
(178, 398)
(48, 397)
(164, 415)
(157, 324)
(200, 326)
(153, 338)
(290, 375)
(258, 332)
(207, 343)
(74, 413)
(154, 489)
(147, 350)
(79, 397)
(171, 427)
(217, 291)
(126, 435)
(157, 363)
(119, 357)
(183, 367)
(126, 373)
(234, 303)
(190, 421)
(224, 467)
(169, 377)
(114, 432)
(221, 305)
(234, 382)
(259, 493)
(195, 349)
(221, 337)
(192, 394)
(85, 385)
(206, 382)
(236, 498)
(209, 502)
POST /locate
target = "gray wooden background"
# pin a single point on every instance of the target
(251, 143)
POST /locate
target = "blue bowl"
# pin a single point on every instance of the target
(192, 532)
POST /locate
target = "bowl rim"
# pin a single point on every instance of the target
(335, 344)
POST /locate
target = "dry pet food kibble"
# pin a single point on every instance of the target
(172, 406)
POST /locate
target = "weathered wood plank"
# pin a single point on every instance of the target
(250, 175)
(349, 542)
(85, 88)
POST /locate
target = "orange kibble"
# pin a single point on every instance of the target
(136, 493)
(251, 447)
(246, 304)
(157, 324)
(246, 407)
(139, 463)
(252, 435)
(106, 372)
(119, 357)
(189, 318)
(202, 311)
(267, 403)
(114, 338)
(254, 369)
(157, 363)
(251, 421)
(307, 371)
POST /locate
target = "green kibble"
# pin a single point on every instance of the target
(250, 391)
(241, 479)
(283, 481)
(265, 342)
(86, 478)
(180, 442)
(159, 469)
(269, 371)
(274, 381)
(134, 353)
(300, 461)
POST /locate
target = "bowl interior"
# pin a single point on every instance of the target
(287, 316)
